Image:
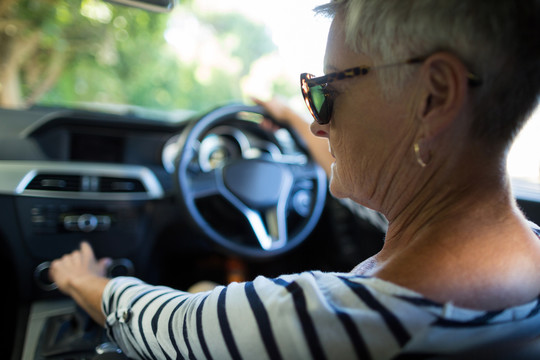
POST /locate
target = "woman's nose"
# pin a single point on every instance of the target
(319, 130)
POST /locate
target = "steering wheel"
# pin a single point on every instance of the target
(261, 203)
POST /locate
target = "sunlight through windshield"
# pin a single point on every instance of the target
(206, 53)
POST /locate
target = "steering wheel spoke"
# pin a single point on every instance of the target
(276, 221)
(268, 226)
(203, 184)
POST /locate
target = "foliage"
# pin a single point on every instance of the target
(68, 51)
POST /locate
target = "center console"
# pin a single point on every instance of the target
(60, 330)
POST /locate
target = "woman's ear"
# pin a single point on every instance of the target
(445, 84)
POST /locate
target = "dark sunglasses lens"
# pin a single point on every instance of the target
(323, 105)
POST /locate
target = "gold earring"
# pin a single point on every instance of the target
(419, 159)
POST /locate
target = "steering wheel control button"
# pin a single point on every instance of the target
(302, 202)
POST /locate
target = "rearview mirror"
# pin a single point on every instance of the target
(150, 5)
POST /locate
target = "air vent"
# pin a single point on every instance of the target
(120, 185)
(86, 183)
(55, 182)
(79, 181)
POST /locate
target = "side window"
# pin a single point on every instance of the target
(524, 156)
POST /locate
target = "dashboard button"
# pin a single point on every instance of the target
(87, 222)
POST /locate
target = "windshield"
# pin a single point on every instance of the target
(205, 53)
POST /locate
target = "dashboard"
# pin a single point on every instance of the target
(69, 175)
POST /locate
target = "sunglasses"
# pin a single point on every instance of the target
(319, 100)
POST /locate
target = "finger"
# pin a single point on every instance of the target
(86, 250)
(103, 264)
(52, 269)
(257, 101)
(55, 268)
(267, 124)
(263, 104)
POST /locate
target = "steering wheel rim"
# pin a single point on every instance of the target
(260, 189)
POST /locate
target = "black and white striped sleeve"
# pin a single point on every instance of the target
(308, 315)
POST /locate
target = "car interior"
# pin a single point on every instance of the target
(173, 197)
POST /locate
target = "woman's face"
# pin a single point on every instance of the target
(369, 136)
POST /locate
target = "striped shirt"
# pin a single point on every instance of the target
(311, 315)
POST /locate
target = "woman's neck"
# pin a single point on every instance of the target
(478, 253)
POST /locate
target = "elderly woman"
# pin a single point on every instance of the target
(420, 103)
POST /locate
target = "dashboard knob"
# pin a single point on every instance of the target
(87, 222)
(41, 276)
(120, 267)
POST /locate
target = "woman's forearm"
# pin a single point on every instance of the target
(87, 292)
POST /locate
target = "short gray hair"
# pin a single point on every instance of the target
(498, 40)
